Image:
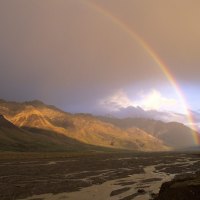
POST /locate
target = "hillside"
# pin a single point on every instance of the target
(13, 138)
(82, 128)
(172, 134)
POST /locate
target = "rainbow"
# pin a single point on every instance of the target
(154, 56)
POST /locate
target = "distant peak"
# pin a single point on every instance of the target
(34, 102)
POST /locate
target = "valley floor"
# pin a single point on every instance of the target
(122, 176)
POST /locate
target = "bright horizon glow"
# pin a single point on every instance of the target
(152, 100)
(149, 50)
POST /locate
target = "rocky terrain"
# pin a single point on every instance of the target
(116, 176)
(47, 128)
(101, 159)
(13, 138)
(182, 187)
(170, 133)
(43, 120)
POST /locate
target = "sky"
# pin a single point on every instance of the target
(80, 56)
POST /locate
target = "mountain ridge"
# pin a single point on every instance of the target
(169, 132)
(13, 138)
(84, 128)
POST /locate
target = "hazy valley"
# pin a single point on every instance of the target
(46, 153)
(118, 112)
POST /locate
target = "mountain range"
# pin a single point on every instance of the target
(166, 116)
(173, 134)
(35, 126)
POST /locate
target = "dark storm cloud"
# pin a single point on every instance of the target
(65, 53)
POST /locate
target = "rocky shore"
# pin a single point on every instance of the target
(182, 187)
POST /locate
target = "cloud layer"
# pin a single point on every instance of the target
(68, 54)
(153, 100)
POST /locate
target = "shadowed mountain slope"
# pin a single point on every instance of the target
(172, 134)
(80, 127)
(13, 138)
